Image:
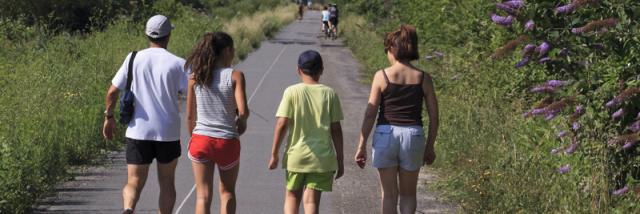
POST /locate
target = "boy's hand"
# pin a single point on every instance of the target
(273, 163)
(361, 157)
(429, 155)
(340, 171)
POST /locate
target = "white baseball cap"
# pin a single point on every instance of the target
(158, 26)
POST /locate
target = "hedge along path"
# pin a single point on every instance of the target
(80, 70)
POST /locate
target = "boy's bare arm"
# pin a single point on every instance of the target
(278, 134)
(336, 136)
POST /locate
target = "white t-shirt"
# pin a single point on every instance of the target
(325, 15)
(158, 76)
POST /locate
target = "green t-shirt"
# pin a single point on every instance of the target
(310, 108)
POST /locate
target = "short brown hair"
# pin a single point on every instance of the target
(403, 43)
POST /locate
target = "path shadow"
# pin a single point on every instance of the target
(332, 45)
(293, 41)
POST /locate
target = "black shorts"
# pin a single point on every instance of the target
(334, 21)
(142, 152)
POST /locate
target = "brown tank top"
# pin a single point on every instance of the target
(401, 104)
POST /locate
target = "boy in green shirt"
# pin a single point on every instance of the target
(312, 113)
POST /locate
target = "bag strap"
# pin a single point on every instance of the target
(130, 70)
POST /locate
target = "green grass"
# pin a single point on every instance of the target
(53, 90)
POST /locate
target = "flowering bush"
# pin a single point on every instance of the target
(590, 50)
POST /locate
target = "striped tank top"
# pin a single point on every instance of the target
(216, 106)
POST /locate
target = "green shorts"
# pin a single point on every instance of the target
(318, 181)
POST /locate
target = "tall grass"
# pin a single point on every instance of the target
(53, 96)
(249, 31)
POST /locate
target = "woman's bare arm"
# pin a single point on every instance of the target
(432, 111)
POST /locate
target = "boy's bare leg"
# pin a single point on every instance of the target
(311, 201)
(408, 184)
(136, 178)
(227, 189)
(203, 175)
(292, 200)
(166, 180)
(389, 184)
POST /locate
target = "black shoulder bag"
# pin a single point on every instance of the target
(127, 98)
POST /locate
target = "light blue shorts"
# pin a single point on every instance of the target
(398, 146)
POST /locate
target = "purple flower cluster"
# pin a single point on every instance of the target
(620, 191)
(575, 126)
(530, 25)
(628, 145)
(619, 113)
(564, 169)
(516, 4)
(543, 49)
(528, 49)
(635, 126)
(550, 86)
(572, 148)
(562, 134)
(502, 20)
(524, 61)
(563, 52)
(579, 110)
(511, 8)
(568, 8)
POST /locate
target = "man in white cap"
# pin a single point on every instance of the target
(157, 77)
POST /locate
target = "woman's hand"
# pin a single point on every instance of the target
(429, 155)
(361, 157)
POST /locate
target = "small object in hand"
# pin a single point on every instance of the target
(361, 163)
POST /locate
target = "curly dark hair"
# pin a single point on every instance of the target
(205, 54)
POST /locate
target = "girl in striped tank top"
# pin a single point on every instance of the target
(217, 115)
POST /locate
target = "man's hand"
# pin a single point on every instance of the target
(108, 128)
(361, 157)
(429, 155)
(273, 163)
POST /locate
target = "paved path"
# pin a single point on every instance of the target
(269, 70)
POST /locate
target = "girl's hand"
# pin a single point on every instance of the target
(361, 157)
(273, 163)
(241, 125)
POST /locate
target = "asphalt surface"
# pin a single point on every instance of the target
(268, 70)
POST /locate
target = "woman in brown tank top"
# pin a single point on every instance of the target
(399, 148)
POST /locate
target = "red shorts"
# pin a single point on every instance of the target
(224, 152)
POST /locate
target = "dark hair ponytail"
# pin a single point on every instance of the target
(403, 43)
(205, 55)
